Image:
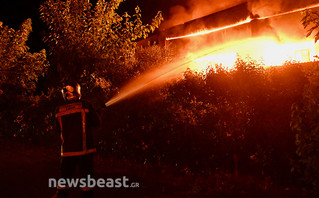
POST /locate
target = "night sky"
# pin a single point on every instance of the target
(14, 12)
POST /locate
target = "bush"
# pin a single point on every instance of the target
(236, 121)
(305, 122)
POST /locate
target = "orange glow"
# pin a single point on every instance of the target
(248, 20)
(265, 51)
(290, 12)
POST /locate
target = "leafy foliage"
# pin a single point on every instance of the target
(152, 56)
(17, 65)
(93, 38)
(311, 18)
(305, 122)
(223, 121)
(20, 72)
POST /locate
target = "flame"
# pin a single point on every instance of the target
(247, 20)
(266, 51)
(291, 12)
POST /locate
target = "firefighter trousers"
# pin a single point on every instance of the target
(68, 168)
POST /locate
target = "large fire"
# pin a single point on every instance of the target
(248, 20)
(266, 51)
(252, 38)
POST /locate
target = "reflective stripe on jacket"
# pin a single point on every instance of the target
(76, 121)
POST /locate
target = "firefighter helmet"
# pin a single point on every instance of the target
(71, 92)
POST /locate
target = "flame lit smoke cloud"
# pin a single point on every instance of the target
(195, 9)
(282, 28)
(192, 9)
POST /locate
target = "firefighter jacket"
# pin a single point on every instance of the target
(76, 121)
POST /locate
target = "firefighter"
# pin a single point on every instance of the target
(76, 121)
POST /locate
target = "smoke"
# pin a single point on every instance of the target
(266, 8)
(287, 26)
(192, 9)
(282, 28)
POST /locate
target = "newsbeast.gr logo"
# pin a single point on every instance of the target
(90, 182)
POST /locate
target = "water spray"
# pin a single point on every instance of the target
(140, 86)
(160, 75)
(149, 79)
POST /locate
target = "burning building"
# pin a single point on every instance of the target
(222, 37)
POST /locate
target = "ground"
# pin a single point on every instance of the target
(26, 167)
